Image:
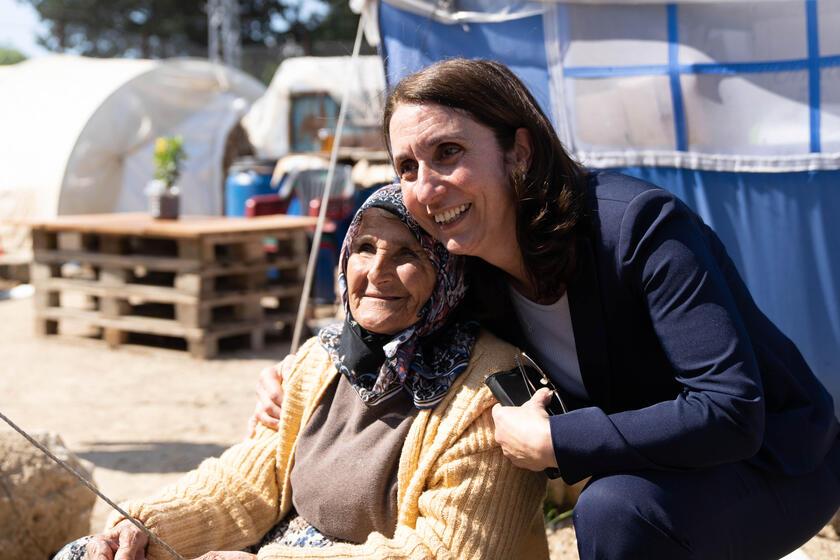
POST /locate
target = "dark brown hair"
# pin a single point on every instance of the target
(549, 196)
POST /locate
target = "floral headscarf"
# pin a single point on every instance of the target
(423, 359)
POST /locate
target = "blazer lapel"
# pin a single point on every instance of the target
(587, 313)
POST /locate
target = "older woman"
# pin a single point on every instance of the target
(384, 447)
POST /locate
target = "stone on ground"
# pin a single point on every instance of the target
(42, 506)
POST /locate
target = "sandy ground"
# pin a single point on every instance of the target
(143, 416)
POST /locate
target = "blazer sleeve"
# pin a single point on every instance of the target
(475, 504)
(664, 257)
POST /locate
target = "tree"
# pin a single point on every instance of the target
(10, 56)
(163, 28)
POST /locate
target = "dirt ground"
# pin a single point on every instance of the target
(143, 416)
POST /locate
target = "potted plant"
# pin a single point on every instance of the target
(163, 191)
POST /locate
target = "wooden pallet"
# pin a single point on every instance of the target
(200, 285)
(201, 343)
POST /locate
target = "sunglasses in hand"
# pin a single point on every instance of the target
(516, 386)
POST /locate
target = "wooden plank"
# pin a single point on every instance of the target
(257, 339)
(44, 299)
(94, 288)
(161, 294)
(192, 315)
(203, 346)
(112, 244)
(115, 338)
(194, 284)
(113, 277)
(285, 316)
(39, 271)
(42, 239)
(69, 241)
(163, 264)
(114, 307)
(224, 269)
(164, 327)
(142, 224)
(45, 327)
(204, 349)
(192, 250)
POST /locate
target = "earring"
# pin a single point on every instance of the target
(519, 175)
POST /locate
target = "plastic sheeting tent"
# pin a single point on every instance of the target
(268, 122)
(734, 106)
(77, 134)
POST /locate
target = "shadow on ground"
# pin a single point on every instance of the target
(148, 456)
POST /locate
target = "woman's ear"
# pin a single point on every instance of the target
(519, 156)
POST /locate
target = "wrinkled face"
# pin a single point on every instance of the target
(389, 276)
(454, 178)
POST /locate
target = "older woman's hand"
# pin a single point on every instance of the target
(269, 396)
(524, 434)
(123, 541)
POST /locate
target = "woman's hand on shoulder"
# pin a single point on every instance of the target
(524, 434)
(123, 541)
(269, 395)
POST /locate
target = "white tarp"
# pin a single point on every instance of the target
(77, 134)
(267, 122)
(465, 12)
(713, 85)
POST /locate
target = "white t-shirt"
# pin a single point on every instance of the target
(548, 329)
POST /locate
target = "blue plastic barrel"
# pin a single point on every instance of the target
(247, 177)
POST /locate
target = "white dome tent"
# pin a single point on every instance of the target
(78, 134)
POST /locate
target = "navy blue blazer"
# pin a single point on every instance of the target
(682, 369)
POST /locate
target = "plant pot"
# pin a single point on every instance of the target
(164, 203)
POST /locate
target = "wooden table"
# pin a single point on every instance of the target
(198, 280)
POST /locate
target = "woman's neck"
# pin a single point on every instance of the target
(517, 275)
(523, 283)
(510, 262)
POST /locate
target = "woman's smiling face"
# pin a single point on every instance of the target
(389, 275)
(454, 178)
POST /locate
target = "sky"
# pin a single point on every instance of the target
(19, 25)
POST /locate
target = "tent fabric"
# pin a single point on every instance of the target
(725, 86)
(78, 134)
(728, 87)
(267, 122)
(756, 154)
(781, 231)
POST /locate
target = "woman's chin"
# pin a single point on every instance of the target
(459, 246)
(373, 322)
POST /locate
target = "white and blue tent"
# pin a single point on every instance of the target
(732, 105)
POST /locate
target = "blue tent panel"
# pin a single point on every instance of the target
(783, 233)
(411, 42)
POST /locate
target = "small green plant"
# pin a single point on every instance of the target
(552, 516)
(169, 154)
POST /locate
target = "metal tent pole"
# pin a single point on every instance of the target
(322, 215)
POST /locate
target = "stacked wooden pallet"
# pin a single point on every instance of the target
(200, 281)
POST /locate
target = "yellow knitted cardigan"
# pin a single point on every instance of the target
(457, 496)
